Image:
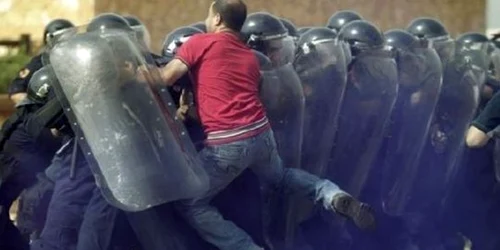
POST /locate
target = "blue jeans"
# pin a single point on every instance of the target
(224, 163)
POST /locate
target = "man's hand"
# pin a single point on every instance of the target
(183, 106)
(18, 97)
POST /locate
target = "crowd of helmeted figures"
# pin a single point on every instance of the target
(383, 115)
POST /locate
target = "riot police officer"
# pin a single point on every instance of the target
(75, 192)
(267, 34)
(17, 89)
(490, 55)
(370, 95)
(440, 169)
(433, 30)
(26, 152)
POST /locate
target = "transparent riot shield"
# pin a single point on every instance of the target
(140, 154)
(496, 159)
(420, 81)
(283, 98)
(282, 95)
(494, 66)
(371, 93)
(445, 145)
(479, 60)
(323, 73)
(55, 38)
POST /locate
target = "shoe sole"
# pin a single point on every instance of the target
(359, 212)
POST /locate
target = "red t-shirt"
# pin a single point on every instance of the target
(226, 75)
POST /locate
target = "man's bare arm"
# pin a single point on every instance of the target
(174, 70)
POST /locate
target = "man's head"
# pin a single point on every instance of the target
(226, 15)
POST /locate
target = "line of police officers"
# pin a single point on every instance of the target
(99, 158)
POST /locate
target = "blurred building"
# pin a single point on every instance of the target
(161, 16)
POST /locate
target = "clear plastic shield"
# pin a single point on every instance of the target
(282, 95)
(371, 93)
(420, 79)
(323, 73)
(141, 156)
(143, 35)
(478, 59)
(445, 145)
(57, 37)
(445, 48)
(281, 51)
(494, 67)
(283, 98)
(496, 159)
(322, 70)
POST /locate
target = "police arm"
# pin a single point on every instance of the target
(46, 117)
(487, 121)
(174, 70)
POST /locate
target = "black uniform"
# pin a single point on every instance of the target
(20, 83)
(25, 155)
(489, 118)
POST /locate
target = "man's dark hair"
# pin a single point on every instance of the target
(232, 12)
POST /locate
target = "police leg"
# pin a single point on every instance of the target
(33, 206)
(160, 228)
(9, 234)
(98, 223)
(68, 203)
(223, 163)
(10, 237)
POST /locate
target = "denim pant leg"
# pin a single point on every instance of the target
(223, 163)
(98, 223)
(67, 207)
(271, 171)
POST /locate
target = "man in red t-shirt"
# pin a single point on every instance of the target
(226, 76)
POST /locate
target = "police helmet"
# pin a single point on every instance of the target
(340, 18)
(200, 25)
(472, 37)
(303, 30)
(140, 29)
(178, 37)
(108, 21)
(133, 21)
(262, 26)
(267, 34)
(361, 36)
(54, 26)
(316, 34)
(290, 27)
(400, 39)
(426, 27)
(40, 88)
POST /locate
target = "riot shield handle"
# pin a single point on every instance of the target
(74, 156)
